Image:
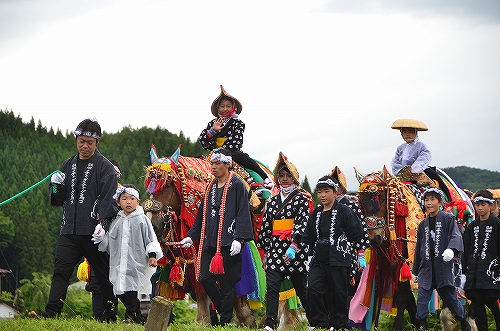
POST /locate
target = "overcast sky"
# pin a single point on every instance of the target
(321, 81)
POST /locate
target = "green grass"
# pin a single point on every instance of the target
(21, 323)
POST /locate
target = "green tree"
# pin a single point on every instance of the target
(7, 231)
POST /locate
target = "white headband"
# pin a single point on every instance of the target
(129, 190)
(477, 199)
(79, 132)
(116, 169)
(221, 157)
(328, 182)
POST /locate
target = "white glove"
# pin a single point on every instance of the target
(98, 234)
(448, 255)
(186, 242)
(414, 278)
(235, 248)
(58, 178)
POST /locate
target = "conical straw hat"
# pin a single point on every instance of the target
(283, 162)
(409, 123)
(215, 104)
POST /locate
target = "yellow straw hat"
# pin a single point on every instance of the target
(215, 104)
(284, 163)
(339, 176)
(409, 123)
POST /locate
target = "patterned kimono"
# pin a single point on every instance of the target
(284, 221)
(230, 137)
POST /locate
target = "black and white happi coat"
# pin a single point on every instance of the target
(237, 218)
(428, 260)
(233, 130)
(294, 206)
(481, 252)
(86, 193)
(344, 231)
(363, 243)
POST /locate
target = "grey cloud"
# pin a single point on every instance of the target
(487, 11)
(19, 18)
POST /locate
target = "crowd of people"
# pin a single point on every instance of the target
(321, 250)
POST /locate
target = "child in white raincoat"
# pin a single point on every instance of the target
(133, 248)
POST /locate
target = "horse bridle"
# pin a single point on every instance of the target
(164, 214)
(373, 222)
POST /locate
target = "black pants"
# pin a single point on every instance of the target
(327, 296)
(481, 298)
(447, 293)
(273, 284)
(132, 306)
(97, 304)
(222, 296)
(245, 161)
(69, 251)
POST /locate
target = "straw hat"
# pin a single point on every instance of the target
(409, 123)
(215, 104)
(339, 176)
(284, 163)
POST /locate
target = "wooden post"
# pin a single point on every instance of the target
(159, 314)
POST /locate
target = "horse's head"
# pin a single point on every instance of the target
(163, 204)
(372, 195)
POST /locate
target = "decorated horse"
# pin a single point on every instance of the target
(393, 209)
(176, 186)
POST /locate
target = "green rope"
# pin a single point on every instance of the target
(29, 188)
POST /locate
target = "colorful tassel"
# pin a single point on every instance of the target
(151, 188)
(162, 262)
(217, 264)
(405, 273)
(83, 272)
(176, 273)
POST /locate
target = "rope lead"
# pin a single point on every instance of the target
(29, 188)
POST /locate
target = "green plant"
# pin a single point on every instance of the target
(34, 293)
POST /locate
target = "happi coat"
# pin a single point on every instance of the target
(344, 231)
(237, 219)
(415, 154)
(482, 249)
(86, 196)
(229, 137)
(129, 241)
(275, 236)
(447, 235)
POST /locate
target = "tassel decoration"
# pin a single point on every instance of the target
(176, 274)
(83, 272)
(217, 264)
(375, 203)
(405, 273)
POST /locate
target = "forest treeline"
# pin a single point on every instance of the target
(29, 152)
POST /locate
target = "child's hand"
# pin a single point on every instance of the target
(218, 124)
(153, 262)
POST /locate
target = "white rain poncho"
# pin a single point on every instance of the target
(129, 241)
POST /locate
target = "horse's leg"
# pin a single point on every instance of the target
(290, 316)
(203, 313)
(243, 312)
(404, 300)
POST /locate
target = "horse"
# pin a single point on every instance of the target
(385, 208)
(176, 186)
(392, 213)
